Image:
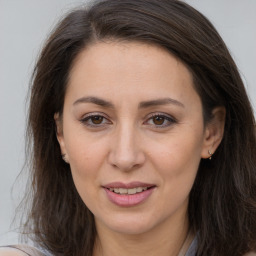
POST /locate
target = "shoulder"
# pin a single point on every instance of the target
(7, 251)
(250, 254)
(20, 250)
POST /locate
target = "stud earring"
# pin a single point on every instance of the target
(64, 158)
(210, 153)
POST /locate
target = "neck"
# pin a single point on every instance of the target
(166, 240)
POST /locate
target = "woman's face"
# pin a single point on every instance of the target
(133, 133)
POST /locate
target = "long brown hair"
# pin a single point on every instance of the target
(222, 206)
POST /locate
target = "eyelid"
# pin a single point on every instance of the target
(172, 120)
(150, 115)
(85, 120)
(87, 117)
(94, 114)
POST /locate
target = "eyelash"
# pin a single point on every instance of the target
(166, 118)
(87, 120)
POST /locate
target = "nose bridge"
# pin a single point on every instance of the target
(126, 152)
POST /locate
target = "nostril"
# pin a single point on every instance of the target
(126, 162)
(125, 153)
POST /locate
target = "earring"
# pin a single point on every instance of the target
(64, 158)
(210, 153)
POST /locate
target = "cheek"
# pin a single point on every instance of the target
(177, 166)
(86, 160)
(85, 150)
(86, 157)
(177, 157)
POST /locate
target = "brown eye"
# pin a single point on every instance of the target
(97, 119)
(158, 120)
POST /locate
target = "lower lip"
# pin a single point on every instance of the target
(128, 200)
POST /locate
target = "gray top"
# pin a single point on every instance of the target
(192, 248)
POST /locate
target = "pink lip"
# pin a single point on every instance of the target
(128, 200)
(134, 184)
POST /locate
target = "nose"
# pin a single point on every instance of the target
(126, 152)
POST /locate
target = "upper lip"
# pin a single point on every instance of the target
(134, 184)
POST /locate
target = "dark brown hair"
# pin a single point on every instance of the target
(222, 206)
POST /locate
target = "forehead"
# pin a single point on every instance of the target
(126, 56)
(129, 67)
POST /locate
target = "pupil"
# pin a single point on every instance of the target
(158, 120)
(97, 119)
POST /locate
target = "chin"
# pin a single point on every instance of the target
(131, 229)
(130, 225)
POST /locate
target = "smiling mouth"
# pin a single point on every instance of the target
(129, 191)
(128, 194)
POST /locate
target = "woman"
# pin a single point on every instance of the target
(143, 137)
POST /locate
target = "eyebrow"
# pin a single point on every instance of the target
(94, 100)
(158, 102)
(143, 104)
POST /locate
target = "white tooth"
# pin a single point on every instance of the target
(116, 190)
(139, 189)
(132, 191)
(144, 188)
(123, 191)
(111, 189)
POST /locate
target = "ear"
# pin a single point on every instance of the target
(214, 131)
(60, 137)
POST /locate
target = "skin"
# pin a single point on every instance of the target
(125, 143)
(11, 252)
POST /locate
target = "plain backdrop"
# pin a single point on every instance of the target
(24, 25)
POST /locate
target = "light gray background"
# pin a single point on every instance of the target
(24, 24)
